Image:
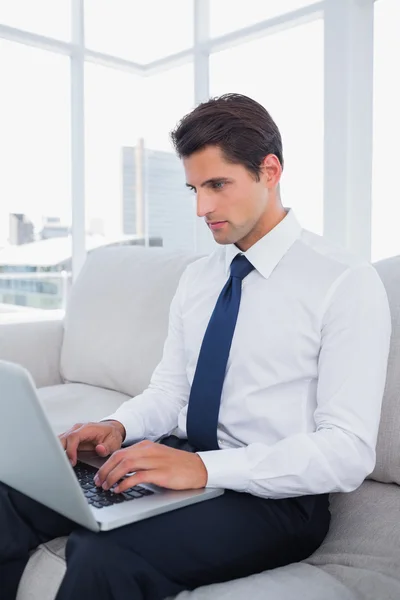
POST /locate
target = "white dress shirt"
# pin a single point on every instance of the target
(302, 395)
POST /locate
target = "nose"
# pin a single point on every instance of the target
(205, 204)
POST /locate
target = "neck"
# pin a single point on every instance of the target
(268, 221)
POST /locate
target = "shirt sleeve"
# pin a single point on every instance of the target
(352, 364)
(154, 413)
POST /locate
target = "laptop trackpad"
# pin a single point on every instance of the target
(91, 458)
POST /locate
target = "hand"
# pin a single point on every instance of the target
(153, 463)
(104, 438)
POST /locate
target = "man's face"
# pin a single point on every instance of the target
(228, 197)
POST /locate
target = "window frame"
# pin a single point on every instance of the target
(348, 131)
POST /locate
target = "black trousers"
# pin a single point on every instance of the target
(217, 540)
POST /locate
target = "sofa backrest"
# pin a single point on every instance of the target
(387, 468)
(117, 318)
(117, 322)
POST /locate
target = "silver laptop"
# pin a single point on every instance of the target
(33, 461)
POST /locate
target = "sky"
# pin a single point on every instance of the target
(286, 76)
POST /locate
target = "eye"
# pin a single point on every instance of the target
(191, 188)
(218, 185)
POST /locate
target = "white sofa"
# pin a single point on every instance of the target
(105, 351)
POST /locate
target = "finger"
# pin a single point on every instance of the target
(111, 443)
(127, 466)
(102, 450)
(63, 436)
(82, 437)
(150, 476)
(108, 466)
(136, 451)
(72, 443)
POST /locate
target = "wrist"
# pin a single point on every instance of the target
(203, 473)
(118, 425)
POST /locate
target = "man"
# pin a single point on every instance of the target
(272, 377)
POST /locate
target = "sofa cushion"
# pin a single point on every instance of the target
(292, 582)
(46, 568)
(362, 548)
(359, 559)
(117, 317)
(71, 403)
(387, 467)
(44, 572)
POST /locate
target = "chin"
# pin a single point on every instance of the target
(223, 240)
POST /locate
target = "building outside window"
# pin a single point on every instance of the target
(107, 112)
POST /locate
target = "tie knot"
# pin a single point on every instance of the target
(241, 267)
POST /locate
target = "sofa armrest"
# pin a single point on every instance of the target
(35, 343)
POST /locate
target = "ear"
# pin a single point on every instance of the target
(271, 170)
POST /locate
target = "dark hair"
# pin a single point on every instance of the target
(240, 126)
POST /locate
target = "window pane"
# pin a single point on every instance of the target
(170, 205)
(135, 184)
(35, 173)
(112, 117)
(224, 19)
(386, 153)
(291, 88)
(46, 17)
(139, 31)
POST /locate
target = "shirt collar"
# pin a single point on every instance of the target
(265, 254)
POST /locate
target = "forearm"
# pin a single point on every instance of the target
(149, 415)
(329, 460)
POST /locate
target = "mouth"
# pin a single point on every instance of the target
(216, 225)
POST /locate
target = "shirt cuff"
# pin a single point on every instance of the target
(227, 468)
(134, 431)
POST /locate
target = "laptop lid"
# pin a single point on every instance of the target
(33, 462)
(32, 459)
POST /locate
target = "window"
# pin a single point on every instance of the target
(34, 154)
(35, 134)
(286, 76)
(135, 185)
(112, 116)
(134, 182)
(139, 31)
(226, 16)
(170, 206)
(46, 17)
(386, 153)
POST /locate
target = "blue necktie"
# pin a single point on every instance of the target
(205, 394)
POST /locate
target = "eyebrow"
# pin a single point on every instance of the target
(210, 181)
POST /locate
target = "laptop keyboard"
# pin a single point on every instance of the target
(98, 497)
